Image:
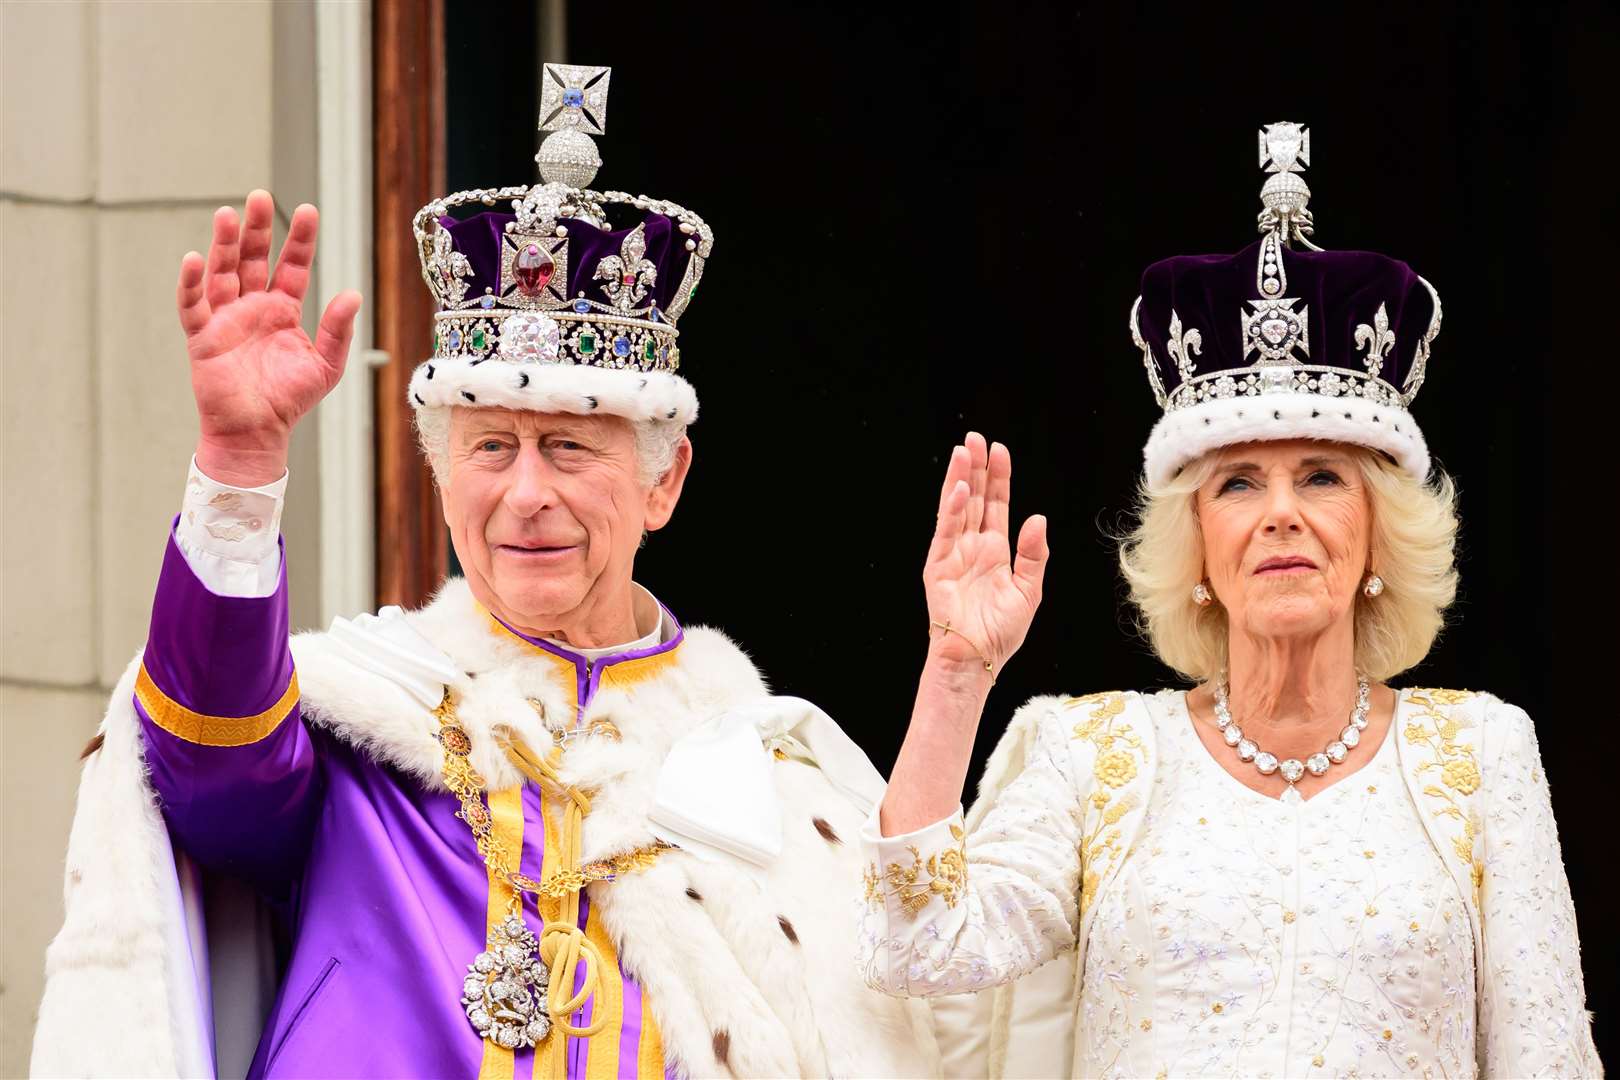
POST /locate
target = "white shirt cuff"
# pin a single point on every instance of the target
(230, 535)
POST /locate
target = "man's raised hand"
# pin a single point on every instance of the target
(254, 372)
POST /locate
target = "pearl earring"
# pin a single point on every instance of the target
(1201, 595)
(1373, 587)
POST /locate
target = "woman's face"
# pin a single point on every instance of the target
(1286, 529)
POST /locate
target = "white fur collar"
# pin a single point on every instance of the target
(500, 680)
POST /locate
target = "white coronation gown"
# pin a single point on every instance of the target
(1242, 935)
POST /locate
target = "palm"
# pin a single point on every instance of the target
(253, 366)
(254, 371)
(973, 582)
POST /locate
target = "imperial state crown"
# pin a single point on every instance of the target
(544, 304)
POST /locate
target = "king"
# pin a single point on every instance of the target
(535, 828)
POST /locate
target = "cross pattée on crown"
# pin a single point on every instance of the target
(573, 107)
(574, 97)
(1284, 147)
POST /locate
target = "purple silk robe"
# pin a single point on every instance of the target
(381, 884)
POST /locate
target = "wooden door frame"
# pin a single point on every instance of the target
(409, 171)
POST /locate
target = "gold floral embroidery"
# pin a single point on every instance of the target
(1115, 768)
(1120, 755)
(874, 887)
(1461, 776)
(943, 874)
(1437, 729)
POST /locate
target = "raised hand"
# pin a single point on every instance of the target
(988, 597)
(973, 581)
(254, 371)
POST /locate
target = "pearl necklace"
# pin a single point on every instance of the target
(1293, 768)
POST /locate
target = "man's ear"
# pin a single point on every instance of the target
(662, 496)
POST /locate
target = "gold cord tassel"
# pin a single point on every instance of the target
(563, 945)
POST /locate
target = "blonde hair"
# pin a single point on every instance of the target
(1413, 548)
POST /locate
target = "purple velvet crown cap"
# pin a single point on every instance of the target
(479, 238)
(1283, 340)
(1341, 291)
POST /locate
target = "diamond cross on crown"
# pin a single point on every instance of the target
(1285, 146)
(573, 96)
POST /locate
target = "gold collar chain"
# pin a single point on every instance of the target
(520, 989)
(467, 784)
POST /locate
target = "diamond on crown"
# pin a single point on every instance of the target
(1275, 330)
(529, 337)
(1284, 146)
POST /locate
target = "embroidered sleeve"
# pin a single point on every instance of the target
(1532, 1007)
(946, 911)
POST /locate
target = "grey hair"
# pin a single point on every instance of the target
(657, 442)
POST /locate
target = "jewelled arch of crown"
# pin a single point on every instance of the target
(1276, 327)
(539, 313)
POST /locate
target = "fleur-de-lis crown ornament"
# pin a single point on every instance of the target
(1290, 341)
(542, 303)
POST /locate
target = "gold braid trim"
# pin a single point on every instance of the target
(202, 729)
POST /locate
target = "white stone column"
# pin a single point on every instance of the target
(125, 124)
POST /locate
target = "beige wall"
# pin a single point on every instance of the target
(124, 125)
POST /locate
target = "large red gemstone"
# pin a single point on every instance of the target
(532, 268)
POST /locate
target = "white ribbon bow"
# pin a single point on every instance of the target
(716, 795)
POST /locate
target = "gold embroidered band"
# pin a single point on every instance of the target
(205, 730)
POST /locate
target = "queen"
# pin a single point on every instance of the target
(1294, 868)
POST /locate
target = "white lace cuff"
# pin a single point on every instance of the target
(230, 535)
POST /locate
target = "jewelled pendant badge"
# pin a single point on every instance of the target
(504, 993)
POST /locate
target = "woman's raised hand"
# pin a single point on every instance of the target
(987, 595)
(254, 371)
(975, 583)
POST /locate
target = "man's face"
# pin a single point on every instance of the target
(546, 511)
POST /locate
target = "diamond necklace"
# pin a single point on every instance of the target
(1292, 769)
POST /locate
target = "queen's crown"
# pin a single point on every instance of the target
(1282, 315)
(551, 280)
